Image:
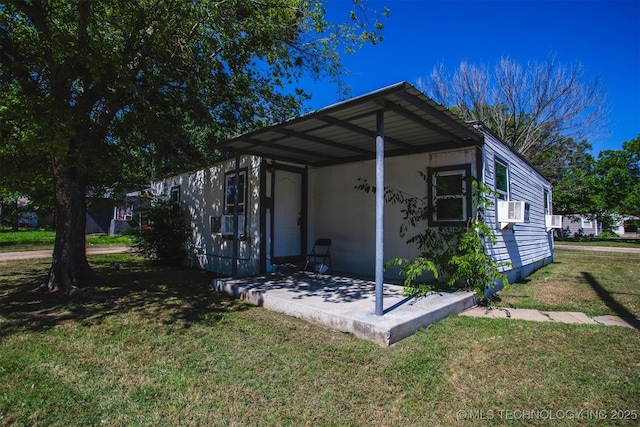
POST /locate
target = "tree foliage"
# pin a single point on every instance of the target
(570, 172)
(154, 82)
(606, 188)
(535, 108)
(100, 93)
(11, 206)
(616, 180)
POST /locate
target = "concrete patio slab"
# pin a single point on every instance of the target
(346, 304)
(618, 321)
(570, 317)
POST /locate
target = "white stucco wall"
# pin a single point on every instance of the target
(339, 211)
(202, 193)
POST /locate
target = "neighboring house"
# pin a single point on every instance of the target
(294, 182)
(126, 213)
(580, 226)
(110, 216)
(104, 215)
(627, 226)
(583, 226)
(99, 213)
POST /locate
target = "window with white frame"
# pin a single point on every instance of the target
(235, 193)
(450, 195)
(230, 192)
(547, 202)
(501, 179)
(587, 223)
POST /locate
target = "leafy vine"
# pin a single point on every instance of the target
(455, 257)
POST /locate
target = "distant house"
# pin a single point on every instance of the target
(580, 226)
(584, 226)
(109, 215)
(122, 217)
(627, 226)
(99, 213)
(294, 182)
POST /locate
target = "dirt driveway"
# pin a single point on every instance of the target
(8, 256)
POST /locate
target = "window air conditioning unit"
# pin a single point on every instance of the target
(227, 225)
(511, 212)
(553, 221)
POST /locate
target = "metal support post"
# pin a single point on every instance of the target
(379, 211)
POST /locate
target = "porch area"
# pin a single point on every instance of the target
(345, 304)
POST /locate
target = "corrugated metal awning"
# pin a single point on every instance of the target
(345, 132)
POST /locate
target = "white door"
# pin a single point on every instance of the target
(287, 211)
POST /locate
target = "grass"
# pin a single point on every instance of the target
(615, 242)
(172, 352)
(31, 240)
(595, 283)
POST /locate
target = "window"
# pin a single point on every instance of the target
(175, 194)
(124, 212)
(450, 195)
(547, 202)
(230, 193)
(502, 179)
(587, 223)
(234, 193)
(449, 199)
(216, 224)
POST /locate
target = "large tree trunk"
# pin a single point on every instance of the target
(69, 268)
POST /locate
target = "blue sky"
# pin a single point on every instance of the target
(603, 35)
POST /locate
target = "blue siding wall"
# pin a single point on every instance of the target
(527, 246)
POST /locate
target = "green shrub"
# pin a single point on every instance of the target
(165, 234)
(608, 235)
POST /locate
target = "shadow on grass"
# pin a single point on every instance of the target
(159, 294)
(610, 301)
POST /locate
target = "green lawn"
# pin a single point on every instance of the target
(31, 240)
(617, 242)
(170, 351)
(596, 283)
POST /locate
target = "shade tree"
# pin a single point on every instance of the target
(105, 92)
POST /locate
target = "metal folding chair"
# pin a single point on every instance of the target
(320, 251)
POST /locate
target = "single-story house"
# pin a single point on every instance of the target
(111, 213)
(580, 226)
(574, 225)
(294, 182)
(627, 226)
(126, 212)
(99, 214)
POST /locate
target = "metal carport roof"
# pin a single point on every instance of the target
(397, 120)
(345, 132)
